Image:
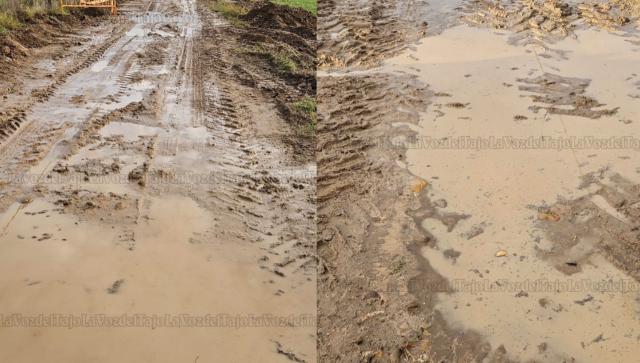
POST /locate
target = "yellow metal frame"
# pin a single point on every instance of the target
(111, 4)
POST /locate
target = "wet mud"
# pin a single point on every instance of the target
(472, 229)
(158, 174)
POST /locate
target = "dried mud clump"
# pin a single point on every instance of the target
(96, 168)
(610, 15)
(96, 206)
(549, 20)
(532, 20)
(138, 174)
(606, 221)
(17, 47)
(563, 96)
(361, 33)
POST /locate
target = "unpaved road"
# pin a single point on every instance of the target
(465, 236)
(141, 178)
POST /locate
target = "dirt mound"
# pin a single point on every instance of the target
(90, 205)
(280, 17)
(41, 30)
(533, 20)
(549, 20)
(610, 15)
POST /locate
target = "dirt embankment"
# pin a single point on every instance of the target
(285, 46)
(276, 50)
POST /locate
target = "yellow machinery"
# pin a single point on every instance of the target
(111, 4)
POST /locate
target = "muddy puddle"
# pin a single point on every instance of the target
(142, 197)
(477, 149)
(50, 266)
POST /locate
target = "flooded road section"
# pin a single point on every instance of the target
(136, 225)
(539, 153)
(478, 187)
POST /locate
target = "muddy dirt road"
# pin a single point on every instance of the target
(492, 183)
(153, 200)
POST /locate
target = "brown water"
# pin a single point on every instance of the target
(177, 267)
(167, 249)
(479, 69)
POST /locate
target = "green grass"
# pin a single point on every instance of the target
(283, 61)
(309, 108)
(230, 11)
(8, 22)
(14, 12)
(308, 5)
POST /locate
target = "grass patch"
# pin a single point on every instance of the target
(33, 11)
(308, 5)
(59, 11)
(281, 60)
(230, 11)
(8, 22)
(309, 108)
(284, 63)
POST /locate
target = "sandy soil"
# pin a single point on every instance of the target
(156, 173)
(464, 237)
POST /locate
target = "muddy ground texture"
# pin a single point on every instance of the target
(376, 299)
(103, 119)
(274, 32)
(40, 32)
(52, 37)
(242, 56)
(361, 34)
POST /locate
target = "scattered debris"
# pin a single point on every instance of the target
(115, 287)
